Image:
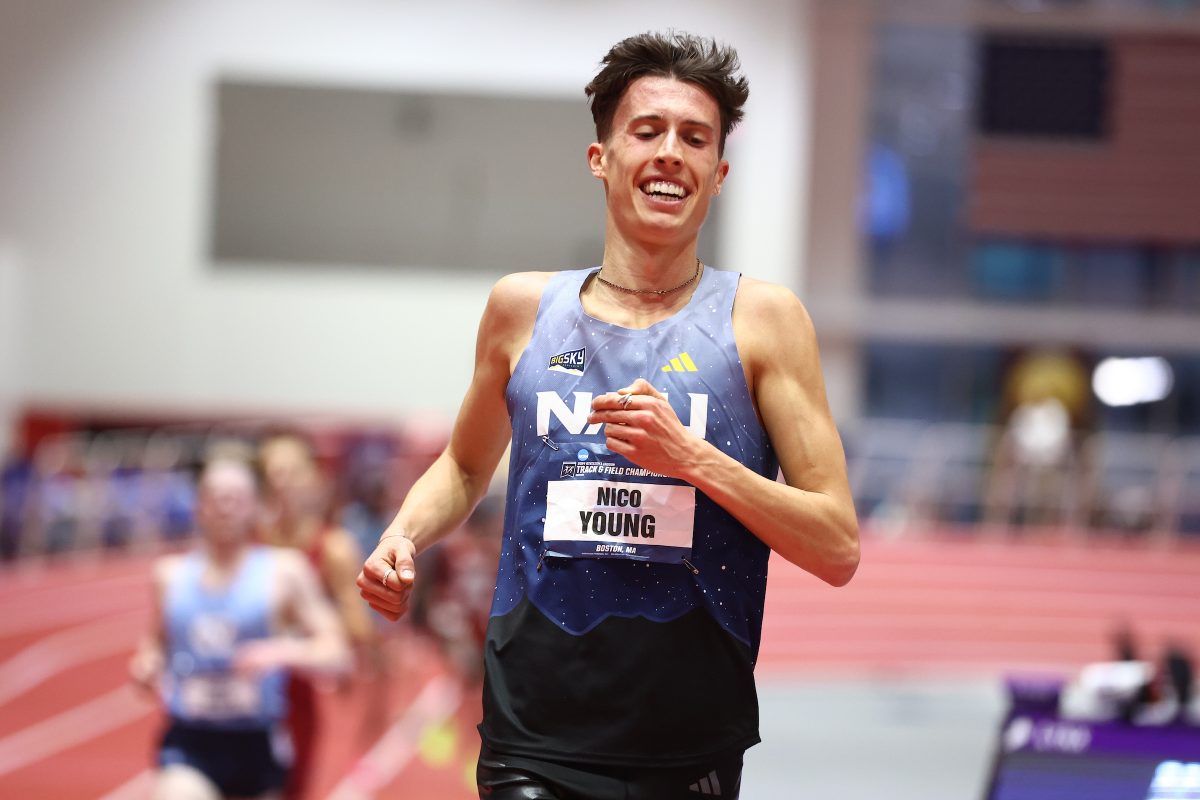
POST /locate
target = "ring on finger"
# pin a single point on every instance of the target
(387, 575)
(626, 400)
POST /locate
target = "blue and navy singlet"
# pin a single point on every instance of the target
(628, 605)
(204, 628)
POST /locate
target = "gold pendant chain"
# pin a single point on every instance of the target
(659, 292)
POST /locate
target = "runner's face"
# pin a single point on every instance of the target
(291, 477)
(227, 504)
(660, 164)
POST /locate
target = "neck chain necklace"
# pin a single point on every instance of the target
(659, 292)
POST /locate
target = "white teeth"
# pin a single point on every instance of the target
(664, 187)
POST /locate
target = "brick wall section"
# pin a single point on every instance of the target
(1142, 184)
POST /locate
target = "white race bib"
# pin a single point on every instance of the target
(215, 697)
(612, 519)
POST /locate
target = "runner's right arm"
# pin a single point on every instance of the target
(148, 661)
(443, 497)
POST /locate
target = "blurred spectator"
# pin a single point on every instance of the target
(1045, 407)
(1167, 694)
(1141, 694)
(297, 517)
(370, 504)
(219, 651)
(123, 501)
(1180, 677)
(169, 494)
(16, 490)
(58, 500)
(100, 459)
(885, 208)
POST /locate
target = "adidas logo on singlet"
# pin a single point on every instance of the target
(681, 363)
(708, 785)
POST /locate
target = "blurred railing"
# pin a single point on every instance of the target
(911, 474)
(134, 486)
(85, 489)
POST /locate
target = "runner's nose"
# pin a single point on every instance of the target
(668, 151)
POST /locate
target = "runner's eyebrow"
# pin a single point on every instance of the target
(660, 118)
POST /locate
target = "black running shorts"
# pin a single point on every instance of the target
(502, 777)
(242, 763)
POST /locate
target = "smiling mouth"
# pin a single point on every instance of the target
(664, 190)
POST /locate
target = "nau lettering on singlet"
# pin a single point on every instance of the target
(574, 418)
(611, 519)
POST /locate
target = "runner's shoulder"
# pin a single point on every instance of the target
(521, 287)
(514, 299)
(166, 568)
(294, 572)
(770, 304)
(289, 559)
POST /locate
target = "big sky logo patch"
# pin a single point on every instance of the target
(571, 362)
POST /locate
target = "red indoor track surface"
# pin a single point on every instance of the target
(72, 727)
(963, 603)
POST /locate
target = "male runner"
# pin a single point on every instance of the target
(651, 403)
(231, 619)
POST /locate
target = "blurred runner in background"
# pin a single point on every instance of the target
(298, 517)
(232, 620)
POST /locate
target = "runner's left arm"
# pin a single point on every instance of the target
(809, 519)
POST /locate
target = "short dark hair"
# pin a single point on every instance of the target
(691, 59)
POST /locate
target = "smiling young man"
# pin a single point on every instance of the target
(650, 404)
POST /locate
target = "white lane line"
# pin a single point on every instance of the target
(70, 607)
(38, 577)
(54, 585)
(70, 728)
(66, 649)
(136, 788)
(389, 756)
